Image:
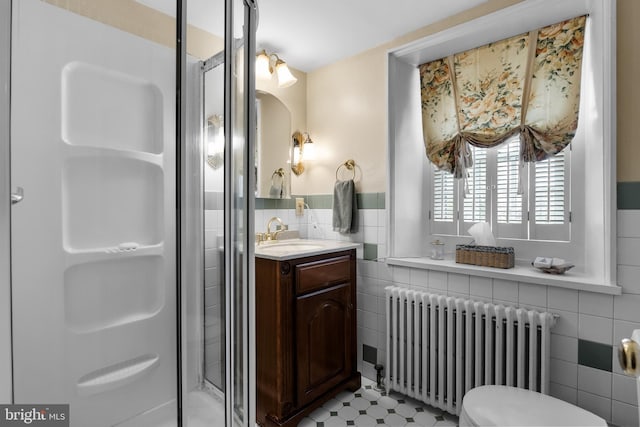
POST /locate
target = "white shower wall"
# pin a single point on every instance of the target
(93, 242)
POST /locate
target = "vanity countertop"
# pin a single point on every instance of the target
(281, 250)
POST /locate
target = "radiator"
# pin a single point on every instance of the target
(440, 347)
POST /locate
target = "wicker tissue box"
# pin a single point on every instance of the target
(486, 256)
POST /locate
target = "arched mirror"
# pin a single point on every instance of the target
(273, 147)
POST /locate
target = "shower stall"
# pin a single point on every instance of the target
(125, 241)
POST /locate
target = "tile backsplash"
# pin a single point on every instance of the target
(316, 222)
(584, 365)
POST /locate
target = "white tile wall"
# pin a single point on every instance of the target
(481, 288)
(584, 315)
(564, 373)
(564, 348)
(624, 415)
(628, 250)
(563, 299)
(629, 278)
(213, 229)
(531, 295)
(505, 290)
(595, 381)
(627, 308)
(566, 324)
(568, 394)
(600, 406)
(594, 328)
(459, 283)
(625, 389)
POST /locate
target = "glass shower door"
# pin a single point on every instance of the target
(222, 281)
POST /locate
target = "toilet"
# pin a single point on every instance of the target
(496, 405)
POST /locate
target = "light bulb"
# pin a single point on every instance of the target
(285, 78)
(263, 66)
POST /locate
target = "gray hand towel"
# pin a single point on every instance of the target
(345, 209)
(275, 191)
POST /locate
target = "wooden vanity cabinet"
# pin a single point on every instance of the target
(305, 334)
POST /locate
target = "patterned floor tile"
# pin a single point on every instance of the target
(371, 407)
(348, 413)
(319, 414)
(395, 420)
(365, 420)
(377, 411)
(406, 410)
(307, 422)
(360, 403)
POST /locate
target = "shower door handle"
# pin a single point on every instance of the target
(17, 196)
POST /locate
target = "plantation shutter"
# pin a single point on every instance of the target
(550, 197)
(443, 204)
(510, 204)
(475, 197)
(549, 192)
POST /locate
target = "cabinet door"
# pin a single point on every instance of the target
(323, 338)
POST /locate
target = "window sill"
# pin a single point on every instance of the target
(519, 273)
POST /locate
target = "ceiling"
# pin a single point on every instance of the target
(309, 34)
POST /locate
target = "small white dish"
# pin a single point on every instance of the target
(556, 269)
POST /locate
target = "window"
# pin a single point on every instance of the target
(584, 208)
(535, 207)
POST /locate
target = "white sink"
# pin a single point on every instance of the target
(294, 248)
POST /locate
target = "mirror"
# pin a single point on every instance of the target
(273, 147)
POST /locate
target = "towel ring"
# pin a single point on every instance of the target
(350, 165)
(278, 172)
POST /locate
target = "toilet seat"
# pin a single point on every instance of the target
(509, 406)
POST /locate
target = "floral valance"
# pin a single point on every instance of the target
(527, 84)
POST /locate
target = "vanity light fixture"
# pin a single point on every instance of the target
(265, 69)
(302, 149)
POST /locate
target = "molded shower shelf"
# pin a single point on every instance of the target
(110, 200)
(71, 151)
(117, 375)
(109, 293)
(129, 115)
(75, 257)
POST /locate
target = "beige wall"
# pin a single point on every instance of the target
(628, 106)
(347, 111)
(143, 21)
(346, 108)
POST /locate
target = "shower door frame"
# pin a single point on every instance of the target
(6, 377)
(239, 317)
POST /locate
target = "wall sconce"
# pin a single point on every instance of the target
(215, 141)
(265, 64)
(302, 150)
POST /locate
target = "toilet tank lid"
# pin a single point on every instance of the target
(508, 406)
